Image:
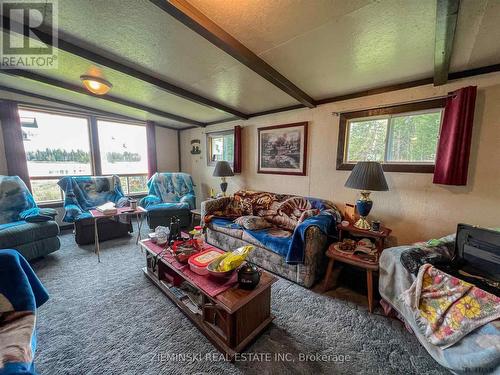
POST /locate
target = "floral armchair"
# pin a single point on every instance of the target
(83, 193)
(170, 194)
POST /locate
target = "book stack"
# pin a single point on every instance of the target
(107, 208)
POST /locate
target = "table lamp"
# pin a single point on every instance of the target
(366, 176)
(223, 170)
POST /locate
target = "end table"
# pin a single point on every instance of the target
(370, 266)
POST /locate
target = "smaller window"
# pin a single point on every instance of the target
(403, 138)
(220, 146)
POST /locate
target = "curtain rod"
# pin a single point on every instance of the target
(396, 104)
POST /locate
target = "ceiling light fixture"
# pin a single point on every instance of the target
(96, 85)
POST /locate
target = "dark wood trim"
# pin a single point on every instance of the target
(222, 121)
(84, 110)
(304, 165)
(277, 110)
(179, 161)
(191, 17)
(114, 64)
(446, 23)
(80, 90)
(389, 110)
(474, 72)
(376, 91)
(94, 144)
(51, 204)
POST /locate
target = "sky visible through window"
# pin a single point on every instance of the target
(56, 144)
(123, 148)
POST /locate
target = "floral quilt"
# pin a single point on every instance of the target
(448, 308)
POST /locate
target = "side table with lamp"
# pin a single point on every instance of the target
(365, 176)
(223, 170)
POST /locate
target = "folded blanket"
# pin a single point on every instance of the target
(446, 308)
(21, 293)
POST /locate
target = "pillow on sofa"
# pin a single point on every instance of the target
(253, 222)
(307, 214)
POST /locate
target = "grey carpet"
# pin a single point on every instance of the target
(107, 318)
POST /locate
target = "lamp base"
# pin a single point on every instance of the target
(223, 186)
(362, 223)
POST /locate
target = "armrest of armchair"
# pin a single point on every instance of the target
(190, 199)
(72, 213)
(48, 212)
(149, 200)
(212, 206)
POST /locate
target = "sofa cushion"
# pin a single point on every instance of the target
(21, 232)
(226, 226)
(253, 222)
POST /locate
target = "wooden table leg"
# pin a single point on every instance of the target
(139, 219)
(328, 275)
(369, 282)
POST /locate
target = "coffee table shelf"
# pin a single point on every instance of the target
(231, 319)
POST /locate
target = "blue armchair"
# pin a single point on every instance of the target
(83, 193)
(170, 194)
(23, 226)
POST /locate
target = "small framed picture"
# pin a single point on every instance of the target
(283, 149)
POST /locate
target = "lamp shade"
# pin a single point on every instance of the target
(223, 169)
(367, 175)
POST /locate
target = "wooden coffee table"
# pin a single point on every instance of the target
(231, 319)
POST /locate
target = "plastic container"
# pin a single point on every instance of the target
(198, 263)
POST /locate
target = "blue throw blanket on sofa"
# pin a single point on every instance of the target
(290, 247)
(21, 293)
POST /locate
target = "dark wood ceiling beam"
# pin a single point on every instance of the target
(80, 90)
(84, 109)
(191, 17)
(87, 54)
(446, 24)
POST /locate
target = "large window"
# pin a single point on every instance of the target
(123, 149)
(402, 138)
(58, 145)
(220, 146)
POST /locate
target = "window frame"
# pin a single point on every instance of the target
(95, 159)
(383, 112)
(217, 134)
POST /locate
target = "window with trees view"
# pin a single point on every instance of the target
(400, 138)
(220, 146)
(59, 144)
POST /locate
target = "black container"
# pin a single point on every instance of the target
(248, 276)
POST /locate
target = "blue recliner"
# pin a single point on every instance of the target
(23, 226)
(83, 193)
(170, 194)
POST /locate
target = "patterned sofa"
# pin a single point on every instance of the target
(23, 226)
(83, 193)
(294, 244)
(170, 194)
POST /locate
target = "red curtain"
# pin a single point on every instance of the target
(452, 159)
(13, 142)
(237, 149)
(151, 140)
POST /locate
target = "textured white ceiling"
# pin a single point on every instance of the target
(325, 47)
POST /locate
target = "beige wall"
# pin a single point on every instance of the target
(167, 150)
(414, 208)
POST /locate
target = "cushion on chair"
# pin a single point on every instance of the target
(21, 232)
